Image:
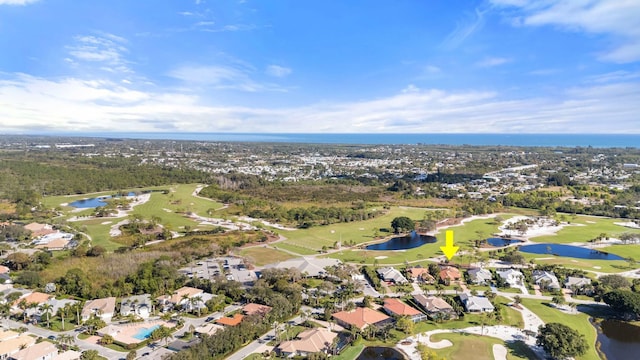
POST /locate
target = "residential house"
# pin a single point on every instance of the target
(578, 284)
(361, 317)
(208, 329)
(390, 274)
(68, 355)
(12, 343)
(35, 297)
(103, 308)
(511, 277)
(56, 305)
(396, 307)
(476, 303)
(480, 276)
(138, 305)
(38, 229)
(230, 321)
(545, 279)
(40, 351)
(421, 275)
(435, 307)
(449, 273)
(255, 309)
(308, 342)
(182, 298)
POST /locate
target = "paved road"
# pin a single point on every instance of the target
(257, 346)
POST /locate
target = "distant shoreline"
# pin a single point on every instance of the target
(520, 140)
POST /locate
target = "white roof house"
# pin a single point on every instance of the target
(480, 276)
(511, 276)
(576, 281)
(391, 274)
(545, 279)
(139, 305)
(476, 303)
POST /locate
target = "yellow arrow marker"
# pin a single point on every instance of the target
(449, 250)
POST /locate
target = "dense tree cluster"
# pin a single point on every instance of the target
(561, 341)
(624, 301)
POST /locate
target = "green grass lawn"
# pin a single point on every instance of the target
(591, 228)
(350, 353)
(464, 236)
(468, 346)
(358, 232)
(294, 248)
(608, 266)
(259, 255)
(578, 322)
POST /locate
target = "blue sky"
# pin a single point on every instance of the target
(365, 66)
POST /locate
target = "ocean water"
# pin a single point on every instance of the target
(559, 140)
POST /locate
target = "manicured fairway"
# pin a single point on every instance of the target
(589, 228)
(467, 346)
(579, 322)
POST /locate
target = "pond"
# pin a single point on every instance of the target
(499, 242)
(569, 251)
(410, 241)
(618, 339)
(94, 202)
(380, 353)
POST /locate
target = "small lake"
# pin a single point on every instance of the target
(619, 339)
(499, 242)
(94, 202)
(569, 251)
(380, 353)
(413, 240)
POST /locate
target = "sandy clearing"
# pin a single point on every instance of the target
(380, 257)
(106, 222)
(499, 352)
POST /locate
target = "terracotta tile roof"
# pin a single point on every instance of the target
(34, 297)
(449, 272)
(361, 317)
(54, 244)
(105, 305)
(399, 308)
(185, 290)
(235, 320)
(253, 308)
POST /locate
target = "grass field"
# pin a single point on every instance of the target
(579, 322)
(468, 346)
(607, 266)
(464, 235)
(591, 228)
(264, 255)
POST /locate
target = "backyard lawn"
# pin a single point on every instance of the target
(260, 256)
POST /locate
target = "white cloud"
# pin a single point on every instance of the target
(105, 49)
(465, 28)
(29, 103)
(221, 77)
(619, 19)
(492, 61)
(278, 71)
(17, 2)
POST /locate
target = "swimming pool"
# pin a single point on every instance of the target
(144, 333)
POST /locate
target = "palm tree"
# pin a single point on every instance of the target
(23, 306)
(65, 340)
(195, 302)
(77, 306)
(46, 310)
(185, 301)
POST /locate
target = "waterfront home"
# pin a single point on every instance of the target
(361, 317)
(396, 307)
(435, 307)
(307, 342)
